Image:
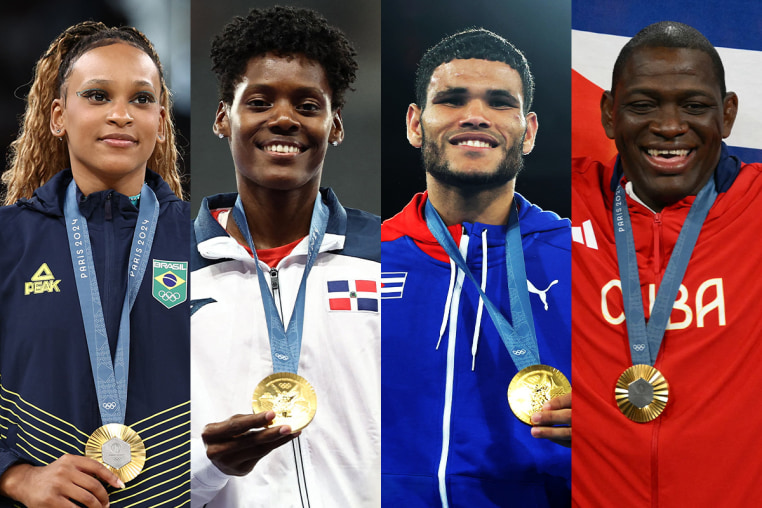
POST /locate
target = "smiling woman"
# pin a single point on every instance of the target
(87, 218)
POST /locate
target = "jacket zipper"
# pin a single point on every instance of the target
(296, 445)
(108, 227)
(658, 274)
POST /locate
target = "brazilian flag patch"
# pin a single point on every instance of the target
(170, 285)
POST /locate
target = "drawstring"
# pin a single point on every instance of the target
(477, 326)
(442, 328)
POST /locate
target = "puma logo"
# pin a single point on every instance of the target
(541, 293)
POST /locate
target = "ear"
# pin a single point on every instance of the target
(607, 113)
(337, 129)
(413, 121)
(57, 123)
(530, 134)
(221, 121)
(161, 134)
(729, 112)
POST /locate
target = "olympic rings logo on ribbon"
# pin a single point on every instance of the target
(281, 356)
(167, 296)
(639, 347)
(519, 352)
(109, 405)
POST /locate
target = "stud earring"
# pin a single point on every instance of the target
(220, 135)
(335, 143)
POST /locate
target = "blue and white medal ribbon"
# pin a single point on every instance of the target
(535, 383)
(642, 391)
(286, 393)
(111, 378)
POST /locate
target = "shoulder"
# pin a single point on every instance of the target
(363, 235)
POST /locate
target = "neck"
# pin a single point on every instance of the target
(275, 218)
(457, 205)
(89, 182)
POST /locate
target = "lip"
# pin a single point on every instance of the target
(674, 164)
(482, 137)
(119, 140)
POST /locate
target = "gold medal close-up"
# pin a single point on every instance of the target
(532, 387)
(290, 396)
(641, 393)
(119, 448)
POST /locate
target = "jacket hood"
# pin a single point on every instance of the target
(411, 222)
(49, 199)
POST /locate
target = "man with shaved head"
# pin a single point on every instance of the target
(665, 328)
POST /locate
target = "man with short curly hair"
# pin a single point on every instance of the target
(285, 282)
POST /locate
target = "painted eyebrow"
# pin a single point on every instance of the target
(106, 82)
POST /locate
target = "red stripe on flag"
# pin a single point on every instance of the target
(340, 304)
(368, 286)
(588, 137)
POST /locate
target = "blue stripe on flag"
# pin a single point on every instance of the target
(335, 286)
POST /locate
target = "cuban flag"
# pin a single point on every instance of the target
(353, 295)
(392, 284)
(600, 28)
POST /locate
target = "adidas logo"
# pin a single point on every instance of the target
(585, 235)
(42, 281)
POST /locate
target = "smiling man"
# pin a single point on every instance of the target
(665, 328)
(476, 285)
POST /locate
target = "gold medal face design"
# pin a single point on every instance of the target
(119, 448)
(532, 387)
(641, 393)
(290, 396)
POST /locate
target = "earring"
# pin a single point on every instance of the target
(335, 143)
(220, 135)
(58, 131)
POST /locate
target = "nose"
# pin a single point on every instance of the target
(475, 115)
(283, 118)
(119, 113)
(669, 123)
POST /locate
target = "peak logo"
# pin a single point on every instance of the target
(43, 281)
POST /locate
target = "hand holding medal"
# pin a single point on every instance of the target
(287, 394)
(535, 384)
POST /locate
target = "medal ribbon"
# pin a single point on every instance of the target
(286, 344)
(110, 377)
(519, 338)
(645, 339)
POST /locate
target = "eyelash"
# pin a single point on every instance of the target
(91, 94)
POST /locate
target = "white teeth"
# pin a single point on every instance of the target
(657, 153)
(474, 143)
(282, 148)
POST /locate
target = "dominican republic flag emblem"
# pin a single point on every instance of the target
(353, 295)
(392, 284)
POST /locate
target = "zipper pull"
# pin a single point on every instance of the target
(107, 207)
(274, 278)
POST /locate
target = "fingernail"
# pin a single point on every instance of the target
(536, 418)
(535, 431)
(285, 430)
(120, 484)
(546, 406)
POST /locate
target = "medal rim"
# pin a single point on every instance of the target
(654, 408)
(521, 413)
(101, 435)
(261, 388)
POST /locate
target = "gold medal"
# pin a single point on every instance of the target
(119, 448)
(290, 396)
(641, 393)
(532, 387)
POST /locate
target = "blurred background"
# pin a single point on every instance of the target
(353, 168)
(539, 28)
(30, 26)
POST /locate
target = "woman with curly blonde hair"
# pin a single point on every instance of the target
(94, 350)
